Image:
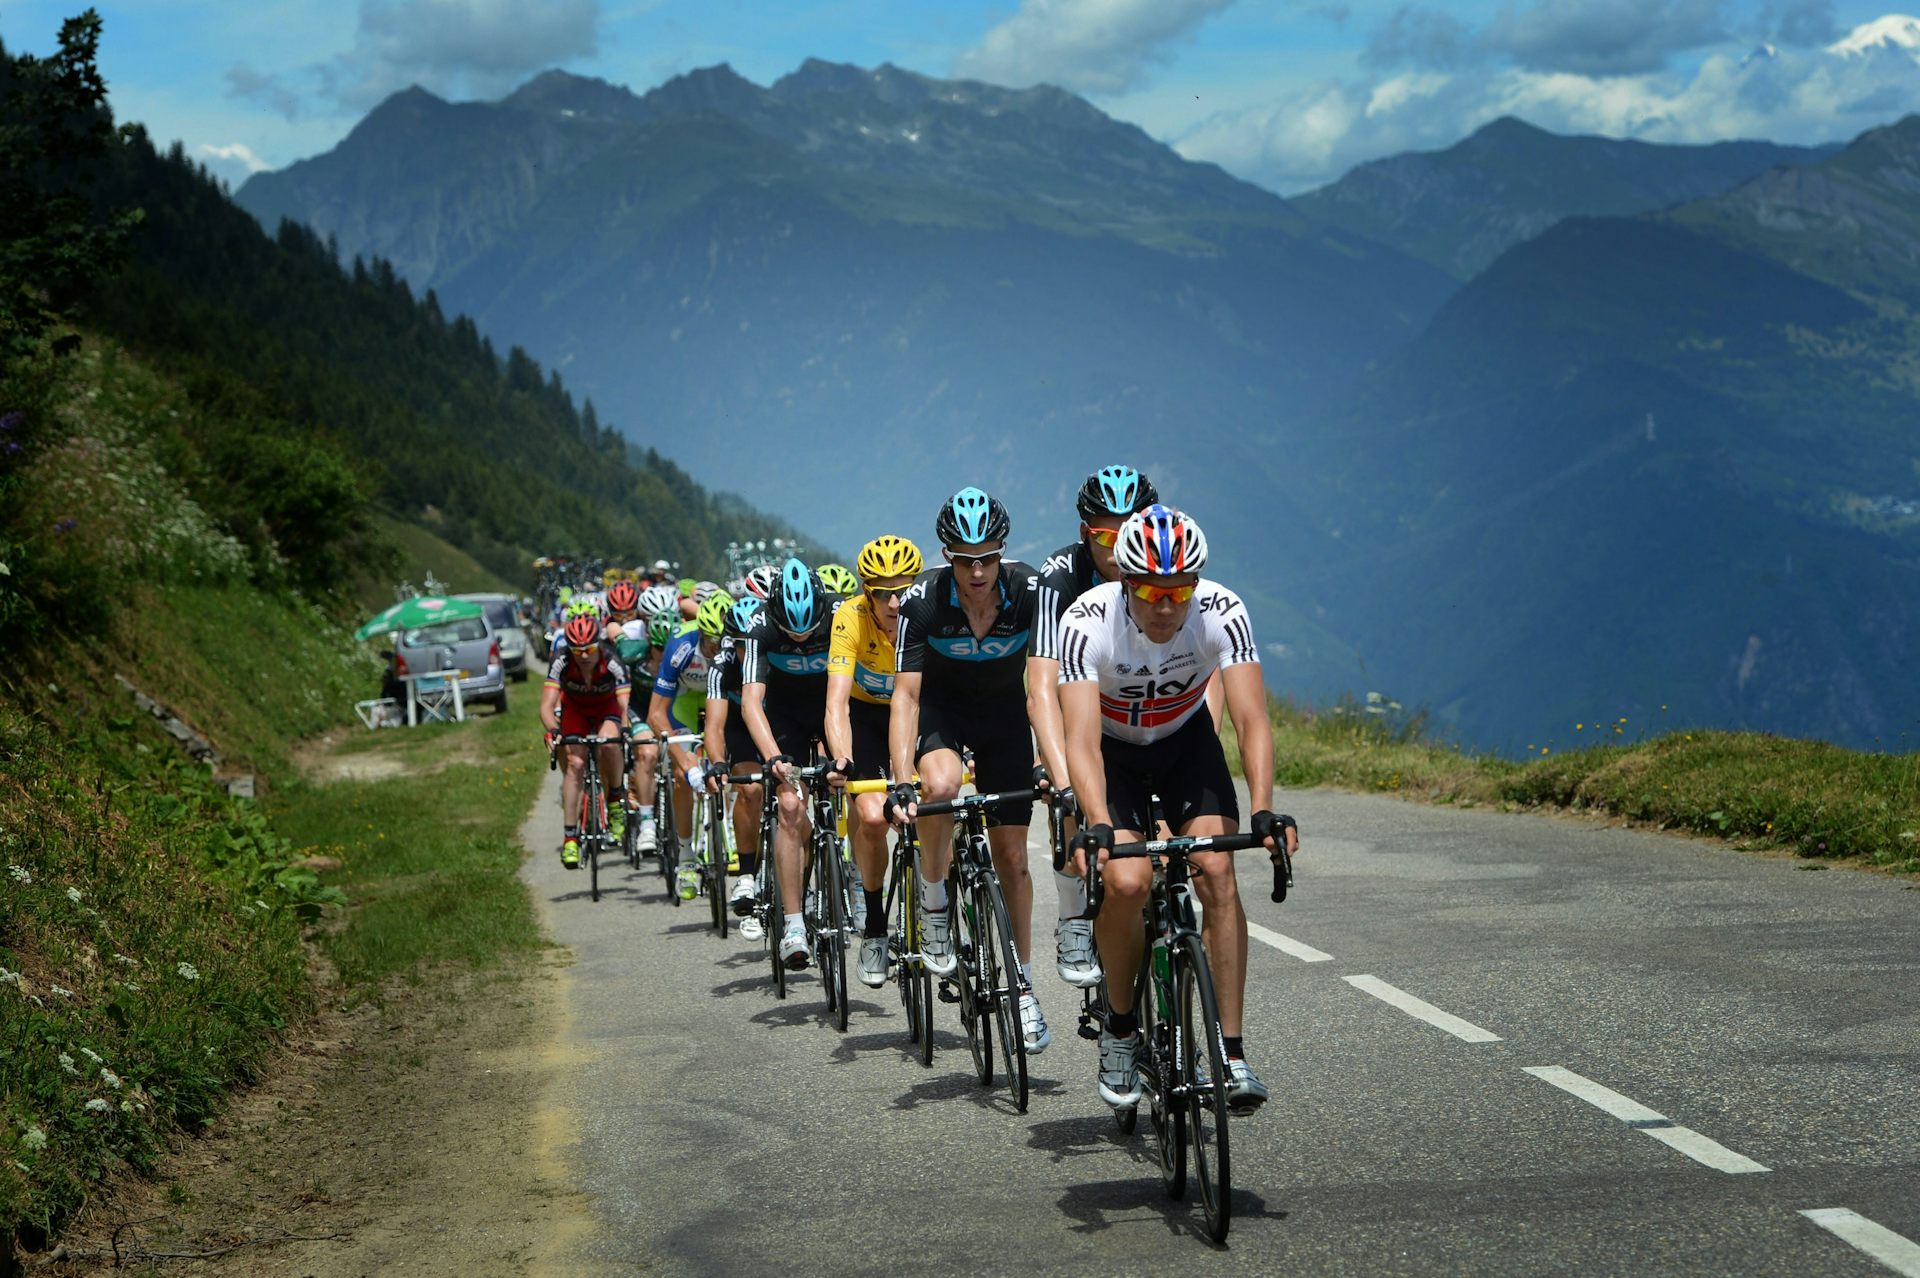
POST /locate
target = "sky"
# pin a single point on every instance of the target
(1286, 93)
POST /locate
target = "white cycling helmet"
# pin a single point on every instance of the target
(1160, 542)
(655, 600)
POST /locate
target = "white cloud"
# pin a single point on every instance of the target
(1313, 136)
(236, 152)
(455, 48)
(1089, 46)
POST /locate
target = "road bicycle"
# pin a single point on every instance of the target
(905, 957)
(666, 826)
(593, 804)
(1183, 1053)
(828, 908)
(988, 977)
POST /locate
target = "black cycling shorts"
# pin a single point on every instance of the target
(996, 731)
(868, 725)
(1188, 770)
(795, 734)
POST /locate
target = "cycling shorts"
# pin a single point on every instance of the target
(740, 747)
(585, 716)
(794, 734)
(868, 722)
(995, 729)
(1188, 770)
(684, 711)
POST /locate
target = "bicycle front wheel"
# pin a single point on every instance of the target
(1000, 980)
(975, 1017)
(717, 854)
(593, 826)
(1203, 1071)
(833, 930)
(770, 910)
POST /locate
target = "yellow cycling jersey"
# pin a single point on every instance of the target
(862, 649)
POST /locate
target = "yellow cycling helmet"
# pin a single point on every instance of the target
(888, 556)
(712, 617)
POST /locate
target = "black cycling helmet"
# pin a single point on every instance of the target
(1114, 490)
(971, 517)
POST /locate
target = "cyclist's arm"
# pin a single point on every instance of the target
(753, 709)
(1217, 704)
(657, 715)
(1246, 698)
(1080, 713)
(716, 729)
(550, 707)
(839, 725)
(1043, 712)
(623, 696)
(903, 723)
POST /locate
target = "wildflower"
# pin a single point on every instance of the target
(66, 1063)
(65, 526)
(97, 1106)
(130, 985)
(263, 905)
(73, 894)
(1546, 750)
(62, 992)
(110, 1078)
(20, 873)
(92, 1055)
(189, 971)
(1578, 726)
(121, 958)
(34, 1139)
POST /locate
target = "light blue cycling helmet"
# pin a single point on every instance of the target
(1115, 490)
(740, 616)
(798, 605)
(971, 517)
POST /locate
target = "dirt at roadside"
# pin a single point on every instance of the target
(418, 1136)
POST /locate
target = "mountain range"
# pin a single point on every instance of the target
(1534, 429)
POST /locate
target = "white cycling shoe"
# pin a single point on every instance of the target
(1033, 1024)
(1073, 953)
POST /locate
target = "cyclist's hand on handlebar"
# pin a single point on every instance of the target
(1042, 779)
(838, 771)
(903, 804)
(1064, 801)
(1277, 831)
(1097, 839)
(780, 765)
(713, 780)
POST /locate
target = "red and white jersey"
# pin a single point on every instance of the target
(1147, 689)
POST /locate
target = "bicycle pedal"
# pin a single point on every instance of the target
(1088, 1030)
(948, 992)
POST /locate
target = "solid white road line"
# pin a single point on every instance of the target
(1421, 1010)
(1902, 1255)
(1287, 945)
(1650, 1122)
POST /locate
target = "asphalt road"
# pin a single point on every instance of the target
(1720, 1043)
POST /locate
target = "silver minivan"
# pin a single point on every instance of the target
(503, 615)
(467, 644)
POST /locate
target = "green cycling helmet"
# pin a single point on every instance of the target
(839, 579)
(660, 630)
(582, 607)
(712, 617)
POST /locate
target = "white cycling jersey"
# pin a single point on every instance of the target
(1149, 690)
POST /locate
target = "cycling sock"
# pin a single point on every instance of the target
(1026, 976)
(1236, 1049)
(1122, 1024)
(876, 914)
(933, 895)
(749, 865)
(1073, 894)
(795, 923)
(570, 832)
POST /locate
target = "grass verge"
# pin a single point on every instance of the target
(1807, 797)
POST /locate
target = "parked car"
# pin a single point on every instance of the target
(503, 614)
(468, 644)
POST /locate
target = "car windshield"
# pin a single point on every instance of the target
(461, 631)
(501, 615)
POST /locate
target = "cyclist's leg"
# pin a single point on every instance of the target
(1003, 762)
(937, 759)
(612, 757)
(1125, 882)
(866, 816)
(645, 753)
(571, 779)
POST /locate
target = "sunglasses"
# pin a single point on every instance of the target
(1102, 536)
(1154, 594)
(880, 594)
(987, 560)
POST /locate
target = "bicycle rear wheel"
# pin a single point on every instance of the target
(1203, 1072)
(1160, 1067)
(592, 830)
(717, 865)
(975, 995)
(833, 930)
(1000, 977)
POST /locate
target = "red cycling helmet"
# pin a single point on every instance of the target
(622, 597)
(583, 631)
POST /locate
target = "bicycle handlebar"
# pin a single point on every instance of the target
(946, 806)
(1282, 863)
(569, 738)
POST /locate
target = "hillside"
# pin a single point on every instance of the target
(1642, 467)
(1460, 208)
(995, 275)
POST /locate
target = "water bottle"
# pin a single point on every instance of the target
(1162, 978)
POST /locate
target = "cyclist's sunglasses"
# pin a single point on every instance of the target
(881, 594)
(1148, 593)
(987, 560)
(1102, 536)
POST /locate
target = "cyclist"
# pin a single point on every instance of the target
(962, 651)
(1136, 656)
(679, 699)
(728, 738)
(859, 685)
(762, 580)
(628, 635)
(783, 698)
(839, 579)
(1106, 499)
(585, 695)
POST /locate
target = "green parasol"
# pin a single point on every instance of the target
(421, 610)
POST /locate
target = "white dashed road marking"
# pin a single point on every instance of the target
(1902, 1255)
(1287, 945)
(1466, 1031)
(1649, 1122)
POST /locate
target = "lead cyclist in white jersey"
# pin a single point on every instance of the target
(1136, 658)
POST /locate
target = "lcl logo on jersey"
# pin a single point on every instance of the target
(1161, 688)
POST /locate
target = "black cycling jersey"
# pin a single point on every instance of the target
(794, 670)
(1067, 574)
(937, 641)
(723, 672)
